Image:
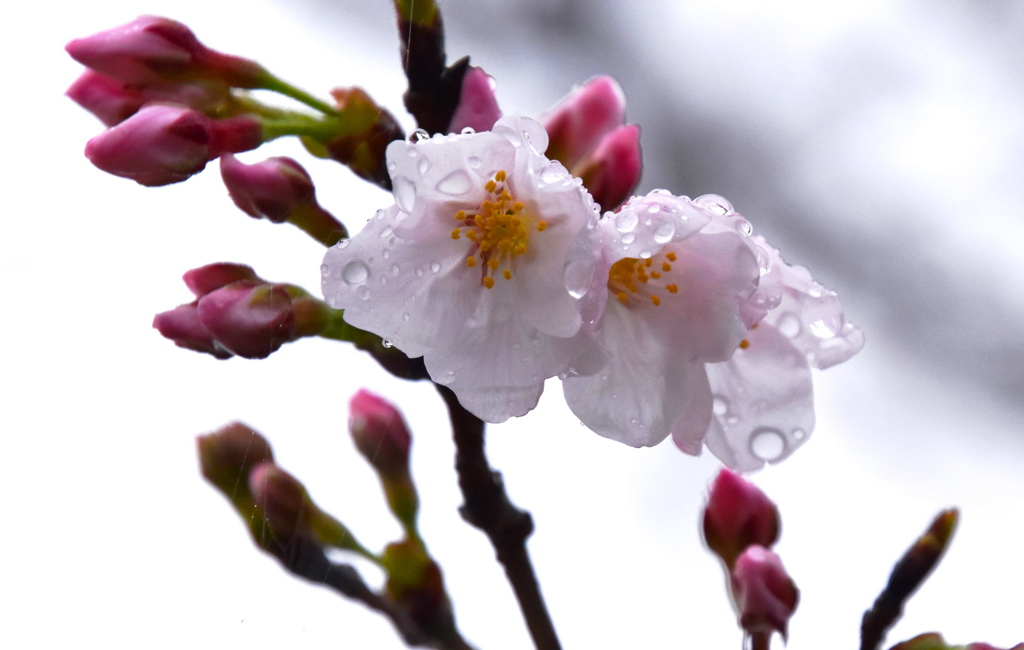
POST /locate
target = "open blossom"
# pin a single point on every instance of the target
(709, 335)
(763, 399)
(480, 266)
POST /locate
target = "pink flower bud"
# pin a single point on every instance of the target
(182, 325)
(380, 432)
(578, 123)
(283, 499)
(765, 595)
(151, 49)
(738, 515)
(227, 455)
(612, 171)
(211, 277)
(164, 143)
(247, 318)
(478, 107)
(272, 189)
(114, 101)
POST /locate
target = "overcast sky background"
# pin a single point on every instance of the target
(879, 143)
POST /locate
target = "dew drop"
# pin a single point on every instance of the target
(654, 208)
(474, 162)
(743, 226)
(424, 166)
(445, 377)
(405, 194)
(419, 135)
(468, 130)
(664, 232)
(822, 330)
(323, 269)
(628, 238)
(406, 316)
(419, 272)
(625, 221)
(412, 153)
(386, 343)
(552, 172)
(720, 405)
(789, 325)
(363, 292)
(715, 203)
(435, 267)
(645, 254)
(386, 254)
(799, 434)
(394, 269)
(577, 276)
(732, 420)
(355, 273)
(455, 183)
(767, 443)
(342, 244)
(386, 232)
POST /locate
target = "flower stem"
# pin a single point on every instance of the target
(761, 641)
(488, 508)
(270, 82)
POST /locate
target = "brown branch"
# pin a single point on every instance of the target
(488, 508)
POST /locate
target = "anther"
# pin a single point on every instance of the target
(671, 257)
(456, 233)
(542, 226)
(489, 282)
(656, 300)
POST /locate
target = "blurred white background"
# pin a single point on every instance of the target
(880, 143)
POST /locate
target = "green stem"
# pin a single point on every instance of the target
(270, 82)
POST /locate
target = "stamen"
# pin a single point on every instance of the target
(744, 344)
(670, 256)
(656, 300)
(470, 261)
(456, 233)
(642, 277)
(666, 267)
(488, 282)
(507, 274)
(542, 225)
(672, 288)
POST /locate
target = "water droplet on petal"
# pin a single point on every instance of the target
(743, 227)
(645, 254)
(455, 183)
(394, 269)
(355, 273)
(363, 292)
(392, 166)
(664, 232)
(406, 316)
(628, 238)
(577, 276)
(474, 162)
(323, 268)
(720, 405)
(419, 135)
(424, 166)
(386, 343)
(799, 434)
(715, 203)
(654, 208)
(552, 172)
(468, 130)
(821, 329)
(789, 325)
(405, 193)
(342, 244)
(419, 272)
(767, 443)
(386, 232)
(445, 377)
(625, 221)
(435, 267)
(386, 254)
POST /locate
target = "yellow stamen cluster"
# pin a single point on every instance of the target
(633, 276)
(499, 230)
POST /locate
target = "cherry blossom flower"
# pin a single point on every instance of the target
(763, 399)
(676, 276)
(709, 335)
(481, 266)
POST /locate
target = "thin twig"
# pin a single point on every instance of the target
(488, 508)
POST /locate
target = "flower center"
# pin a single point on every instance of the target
(632, 278)
(499, 230)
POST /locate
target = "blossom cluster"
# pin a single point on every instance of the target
(663, 317)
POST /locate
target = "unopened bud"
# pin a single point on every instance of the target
(380, 432)
(151, 49)
(738, 515)
(165, 143)
(368, 131)
(227, 455)
(765, 595)
(211, 277)
(612, 171)
(478, 107)
(578, 123)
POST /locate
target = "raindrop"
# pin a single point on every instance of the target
(435, 267)
(394, 270)
(455, 183)
(392, 166)
(386, 232)
(715, 203)
(445, 377)
(732, 420)
(645, 254)
(576, 276)
(386, 343)
(628, 238)
(468, 130)
(424, 166)
(743, 226)
(474, 162)
(412, 153)
(768, 444)
(789, 325)
(821, 329)
(355, 273)
(406, 316)
(664, 232)
(552, 172)
(405, 194)
(419, 272)
(342, 244)
(720, 405)
(654, 208)
(386, 254)
(799, 433)
(383, 280)
(323, 268)
(363, 292)
(625, 221)
(419, 135)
